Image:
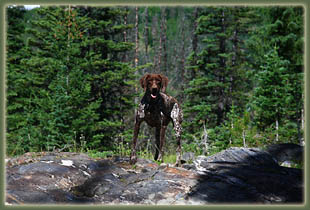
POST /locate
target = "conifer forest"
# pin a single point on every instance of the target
(72, 76)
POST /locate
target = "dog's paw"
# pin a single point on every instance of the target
(160, 158)
(133, 160)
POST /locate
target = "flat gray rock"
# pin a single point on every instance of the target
(235, 175)
(42, 167)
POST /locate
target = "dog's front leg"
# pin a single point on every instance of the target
(160, 138)
(139, 119)
(133, 155)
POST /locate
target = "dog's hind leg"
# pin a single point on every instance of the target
(178, 152)
(177, 118)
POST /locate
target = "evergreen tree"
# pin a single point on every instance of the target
(79, 91)
(281, 27)
(271, 95)
(111, 79)
(220, 76)
(17, 94)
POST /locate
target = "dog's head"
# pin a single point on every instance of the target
(153, 84)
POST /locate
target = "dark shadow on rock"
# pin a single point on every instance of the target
(63, 197)
(287, 152)
(244, 175)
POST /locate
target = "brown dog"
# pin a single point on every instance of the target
(157, 109)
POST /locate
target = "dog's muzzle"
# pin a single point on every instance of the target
(154, 93)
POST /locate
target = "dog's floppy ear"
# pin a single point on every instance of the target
(164, 83)
(143, 81)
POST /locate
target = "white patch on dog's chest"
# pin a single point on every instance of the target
(141, 112)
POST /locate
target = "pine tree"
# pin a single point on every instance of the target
(220, 74)
(79, 90)
(17, 94)
(219, 79)
(282, 27)
(51, 45)
(110, 79)
(270, 95)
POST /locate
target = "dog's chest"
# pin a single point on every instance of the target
(152, 115)
(152, 119)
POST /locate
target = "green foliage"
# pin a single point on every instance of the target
(97, 154)
(17, 80)
(71, 85)
(220, 73)
(277, 50)
(79, 90)
(218, 96)
(170, 158)
(270, 96)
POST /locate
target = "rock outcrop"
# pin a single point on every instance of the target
(236, 175)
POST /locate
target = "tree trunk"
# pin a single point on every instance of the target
(146, 29)
(155, 42)
(221, 112)
(277, 130)
(146, 38)
(232, 127)
(243, 137)
(159, 54)
(136, 49)
(301, 139)
(164, 39)
(182, 54)
(205, 141)
(125, 34)
(68, 46)
(161, 40)
(136, 37)
(194, 43)
(234, 56)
